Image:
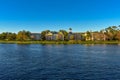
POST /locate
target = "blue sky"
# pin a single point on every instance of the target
(39, 15)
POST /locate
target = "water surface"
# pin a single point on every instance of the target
(59, 62)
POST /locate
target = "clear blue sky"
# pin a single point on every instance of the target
(39, 15)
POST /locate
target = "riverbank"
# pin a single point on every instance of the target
(60, 42)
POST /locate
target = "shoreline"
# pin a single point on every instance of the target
(60, 42)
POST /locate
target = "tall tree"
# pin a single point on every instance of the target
(11, 36)
(65, 33)
(111, 32)
(23, 35)
(43, 34)
(88, 35)
(3, 36)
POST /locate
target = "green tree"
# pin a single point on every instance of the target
(3, 36)
(11, 36)
(65, 33)
(60, 36)
(43, 34)
(88, 35)
(111, 32)
(70, 28)
(23, 35)
(7, 36)
(118, 36)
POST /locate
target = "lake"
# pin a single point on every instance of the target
(59, 62)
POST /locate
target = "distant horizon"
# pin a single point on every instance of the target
(61, 29)
(66, 28)
(40, 15)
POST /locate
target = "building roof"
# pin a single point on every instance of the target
(49, 34)
(36, 33)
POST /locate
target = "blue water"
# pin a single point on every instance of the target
(59, 62)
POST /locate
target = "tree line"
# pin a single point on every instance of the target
(109, 33)
(20, 36)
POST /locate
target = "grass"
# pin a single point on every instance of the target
(60, 42)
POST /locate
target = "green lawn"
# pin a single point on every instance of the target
(60, 42)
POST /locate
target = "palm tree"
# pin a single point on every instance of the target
(70, 30)
(88, 35)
